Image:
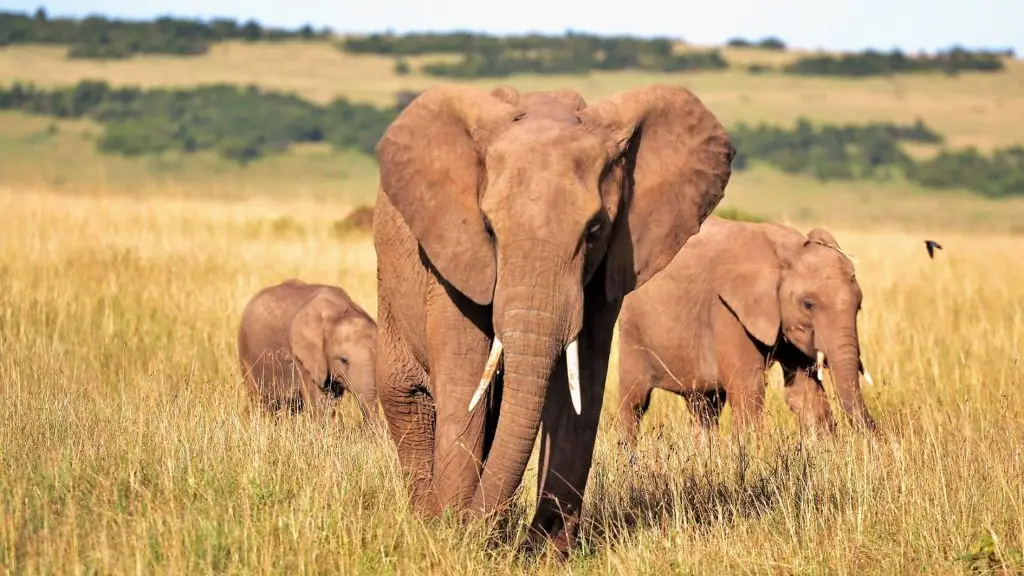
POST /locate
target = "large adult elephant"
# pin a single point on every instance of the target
(508, 228)
(737, 298)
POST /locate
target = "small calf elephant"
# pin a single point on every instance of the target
(302, 345)
(738, 297)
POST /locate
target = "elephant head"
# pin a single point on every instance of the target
(335, 343)
(520, 201)
(804, 288)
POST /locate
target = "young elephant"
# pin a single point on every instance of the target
(736, 298)
(302, 345)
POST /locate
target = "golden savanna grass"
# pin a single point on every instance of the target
(126, 444)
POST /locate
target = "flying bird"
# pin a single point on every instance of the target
(931, 245)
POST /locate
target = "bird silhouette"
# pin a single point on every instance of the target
(931, 245)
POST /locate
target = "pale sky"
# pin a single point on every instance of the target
(830, 24)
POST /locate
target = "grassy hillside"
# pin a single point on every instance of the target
(39, 153)
(983, 110)
(126, 444)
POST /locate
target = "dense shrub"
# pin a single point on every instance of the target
(241, 124)
(359, 221)
(829, 152)
(767, 43)
(710, 60)
(105, 38)
(402, 67)
(874, 151)
(873, 63)
(1000, 175)
(468, 42)
(490, 63)
(486, 56)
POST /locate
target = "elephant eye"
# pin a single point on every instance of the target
(808, 304)
(593, 230)
(344, 360)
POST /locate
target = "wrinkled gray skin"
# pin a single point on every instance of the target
(524, 217)
(301, 346)
(738, 297)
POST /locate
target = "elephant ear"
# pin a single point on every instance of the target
(506, 94)
(823, 237)
(307, 335)
(746, 272)
(430, 170)
(676, 162)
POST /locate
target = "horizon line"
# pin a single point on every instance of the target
(399, 31)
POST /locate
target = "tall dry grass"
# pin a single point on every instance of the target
(126, 444)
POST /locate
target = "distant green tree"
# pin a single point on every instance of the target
(711, 60)
(137, 138)
(98, 37)
(242, 150)
(241, 123)
(873, 63)
(486, 56)
(252, 31)
(403, 98)
(772, 43)
(767, 43)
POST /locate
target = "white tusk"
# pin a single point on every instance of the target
(867, 377)
(572, 364)
(820, 363)
(489, 369)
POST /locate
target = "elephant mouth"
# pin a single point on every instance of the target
(333, 387)
(821, 362)
(572, 360)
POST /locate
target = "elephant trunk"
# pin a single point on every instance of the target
(533, 327)
(364, 388)
(843, 354)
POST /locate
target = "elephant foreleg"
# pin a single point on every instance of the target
(458, 351)
(409, 411)
(706, 409)
(567, 439)
(746, 389)
(806, 397)
(741, 367)
(634, 393)
(314, 400)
